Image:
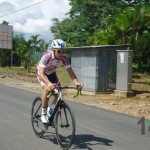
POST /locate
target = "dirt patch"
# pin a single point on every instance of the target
(136, 106)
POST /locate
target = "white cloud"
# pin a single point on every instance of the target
(36, 19)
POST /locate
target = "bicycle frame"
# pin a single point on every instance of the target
(58, 104)
(60, 101)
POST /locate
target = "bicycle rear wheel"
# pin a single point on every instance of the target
(36, 117)
(65, 127)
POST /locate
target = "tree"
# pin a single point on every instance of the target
(32, 45)
(107, 22)
(19, 48)
(85, 17)
(5, 22)
(115, 33)
(24, 49)
(132, 26)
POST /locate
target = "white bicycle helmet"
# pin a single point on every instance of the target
(58, 43)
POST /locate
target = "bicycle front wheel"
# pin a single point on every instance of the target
(65, 127)
(36, 117)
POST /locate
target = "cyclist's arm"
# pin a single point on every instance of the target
(43, 77)
(72, 75)
(74, 78)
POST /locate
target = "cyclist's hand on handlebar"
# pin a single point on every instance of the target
(51, 87)
(79, 86)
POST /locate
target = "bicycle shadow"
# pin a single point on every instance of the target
(50, 136)
(85, 141)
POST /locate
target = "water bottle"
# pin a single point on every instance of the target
(48, 112)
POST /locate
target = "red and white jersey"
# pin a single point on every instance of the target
(50, 63)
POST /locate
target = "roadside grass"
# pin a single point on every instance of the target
(21, 73)
(140, 82)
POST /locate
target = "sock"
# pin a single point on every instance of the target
(44, 110)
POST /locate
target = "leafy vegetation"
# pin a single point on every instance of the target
(98, 22)
(102, 22)
(24, 49)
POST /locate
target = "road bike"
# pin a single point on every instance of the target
(62, 119)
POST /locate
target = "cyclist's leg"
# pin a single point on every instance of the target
(45, 93)
(54, 79)
(44, 98)
(54, 101)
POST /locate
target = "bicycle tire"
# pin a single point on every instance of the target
(35, 117)
(64, 126)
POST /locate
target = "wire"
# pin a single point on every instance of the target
(22, 9)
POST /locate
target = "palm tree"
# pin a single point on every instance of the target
(32, 45)
(5, 22)
(138, 19)
(19, 47)
(26, 48)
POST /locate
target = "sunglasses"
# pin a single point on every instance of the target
(60, 51)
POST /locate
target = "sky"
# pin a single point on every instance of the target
(35, 19)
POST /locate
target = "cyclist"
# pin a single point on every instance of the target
(46, 73)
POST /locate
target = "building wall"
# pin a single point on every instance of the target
(95, 66)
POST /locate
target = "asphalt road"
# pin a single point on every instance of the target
(96, 129)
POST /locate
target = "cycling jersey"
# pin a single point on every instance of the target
(50, 63)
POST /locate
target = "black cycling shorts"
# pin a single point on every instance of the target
(53, 78)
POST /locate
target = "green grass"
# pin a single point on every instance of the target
(18, 72)
(141, 82)
(63, 75)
